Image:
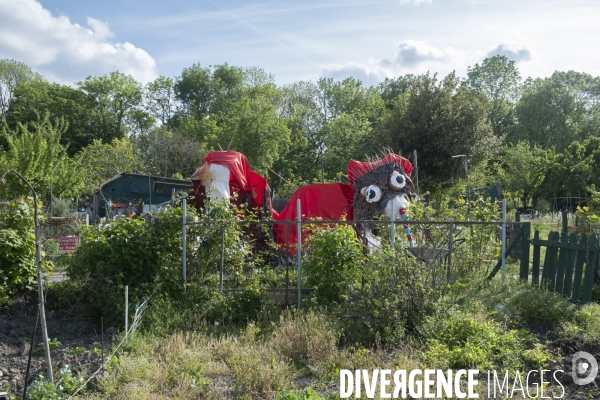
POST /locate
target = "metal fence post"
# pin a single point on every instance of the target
(392, 229)
(222, 258)
(299, 251)
(450, 245)
(287, 263)
(126, 310)
(503, 255)
(184, 240)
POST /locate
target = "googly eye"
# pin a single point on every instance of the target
(372, 193)
(397, 181)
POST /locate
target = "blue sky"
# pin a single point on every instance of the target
(370, 40)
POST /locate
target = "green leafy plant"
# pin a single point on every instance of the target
(144, 256)
(306, 394)
(460, 339)
(76, 351)
(17, 248)
(61, 389)
(333, 262)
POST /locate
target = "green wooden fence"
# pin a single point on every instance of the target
(571, 264)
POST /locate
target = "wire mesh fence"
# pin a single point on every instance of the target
(441, 250)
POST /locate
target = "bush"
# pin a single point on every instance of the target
(585, 324)
(459, 339)
(201, 305)
(391, 302)
(144, 256)
(220, 222)
(515, 301)
(61, 207)
(17, 248)
(333, 262)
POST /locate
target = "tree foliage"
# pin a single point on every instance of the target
(522, 170)
(102, 161)
(499, 80)
(439, 119)
(17, 248)
(36, 153)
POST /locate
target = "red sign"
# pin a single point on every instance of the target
(67, 243)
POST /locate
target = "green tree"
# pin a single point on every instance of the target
(499, 80)
(330, 122)
(36, 152)
(114, 97)
(555, 111)
(168, 153)
(574, 170)
(160, 101)
(59, 101)
(12, 74)
(101, 161)
(228, 107)
(439, 119)
(390, 89)
(522, 169)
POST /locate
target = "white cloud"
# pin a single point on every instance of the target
(415, 2)
(515, 52)
(65, 51)
(369, 74)
(412, 56)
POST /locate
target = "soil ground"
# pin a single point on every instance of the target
(78, 337)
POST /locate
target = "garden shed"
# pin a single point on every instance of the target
(127, 192)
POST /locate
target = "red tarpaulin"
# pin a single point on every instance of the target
(241, 177)
(325, 201)
(359, 168)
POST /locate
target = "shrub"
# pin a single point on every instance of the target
(515, 301)
(128, 252)
(333, 262)
(17, 248)
(390, 303)
(585, 324)
(220, 222)
(61, 207)
(459, 339)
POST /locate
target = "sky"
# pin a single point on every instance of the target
(67, 40)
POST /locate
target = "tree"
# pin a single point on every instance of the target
(38, 97)
(439, 119)
(558, 110)
(390, 89)
(102, 161)
(522, 169)
(574, 170)
(12, 74)
(499, 80)
(36, 153)
(114, 96)
(330, 122)
(160, 99)
(167, 153)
